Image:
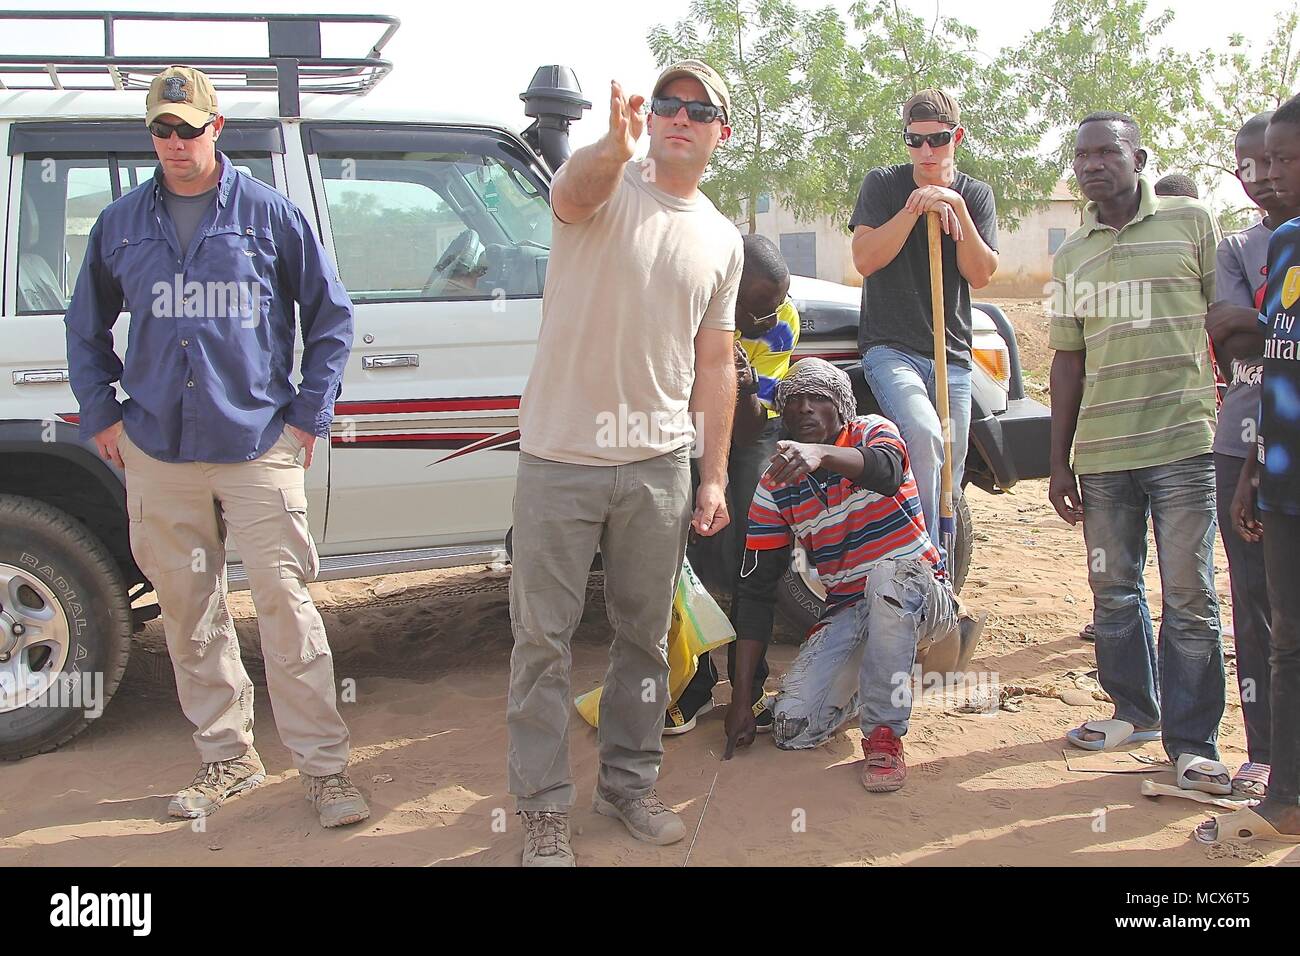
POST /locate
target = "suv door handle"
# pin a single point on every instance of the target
(40, 376)
(390, 361)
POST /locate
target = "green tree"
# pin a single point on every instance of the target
(1105, 55)
(1244, 82)
(756, 47)
(859, 91)
(815, 107)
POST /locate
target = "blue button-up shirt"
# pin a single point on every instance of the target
(210, 347)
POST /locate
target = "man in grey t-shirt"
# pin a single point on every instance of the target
(1241, 274)
(891, 251)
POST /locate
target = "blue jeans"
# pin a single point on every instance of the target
(860, 660)
(1180, 686)
(903, 383)
(1252, 617)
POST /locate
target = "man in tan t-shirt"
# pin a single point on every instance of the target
(634, 364)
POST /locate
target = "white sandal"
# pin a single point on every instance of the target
(1202, 765)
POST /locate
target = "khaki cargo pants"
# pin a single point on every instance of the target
(637, 515)
(179, 516)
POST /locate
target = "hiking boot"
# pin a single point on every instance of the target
(546, 838)
(676, 721)
(764, 716)
(336, 799)
(215, 783)
(646, 818)
(884, 769)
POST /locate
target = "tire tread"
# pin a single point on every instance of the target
(16, 510)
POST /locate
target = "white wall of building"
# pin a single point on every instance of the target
(1025, 253)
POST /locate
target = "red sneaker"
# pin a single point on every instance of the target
(884, 769)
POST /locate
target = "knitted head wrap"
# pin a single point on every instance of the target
(814, 376)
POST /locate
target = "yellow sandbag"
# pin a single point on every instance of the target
(698, 626)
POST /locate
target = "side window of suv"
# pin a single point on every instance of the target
(435, 226)
(62, 196)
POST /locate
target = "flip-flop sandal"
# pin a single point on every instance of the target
(1116, 733)
(1152, 789)
(1252, 780)
(1241, 826)
(1089, 633)
(1203, 765)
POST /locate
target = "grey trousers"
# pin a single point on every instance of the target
(637, 515)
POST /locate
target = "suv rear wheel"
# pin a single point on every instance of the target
(65, 627)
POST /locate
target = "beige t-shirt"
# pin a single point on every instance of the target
(626, 291)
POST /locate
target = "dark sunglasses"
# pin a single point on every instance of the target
(696, 111)
(183, 130)
(935, 140)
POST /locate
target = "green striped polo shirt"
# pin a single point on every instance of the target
(1134, 299)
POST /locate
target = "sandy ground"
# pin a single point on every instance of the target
(429, 654)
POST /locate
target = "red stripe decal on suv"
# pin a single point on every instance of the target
(406, 406)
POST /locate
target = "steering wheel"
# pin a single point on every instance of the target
(461, 256)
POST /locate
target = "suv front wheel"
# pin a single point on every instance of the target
(65, 627)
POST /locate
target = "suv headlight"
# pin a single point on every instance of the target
(988, 349)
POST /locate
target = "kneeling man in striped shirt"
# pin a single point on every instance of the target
(844, 489)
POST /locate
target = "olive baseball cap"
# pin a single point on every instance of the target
(714, 87)
(931, 106)
(182, 92)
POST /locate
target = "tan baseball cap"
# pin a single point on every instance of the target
(714, 87)
(182, 92)
(931, 106)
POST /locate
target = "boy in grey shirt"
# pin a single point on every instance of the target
(1242, 267)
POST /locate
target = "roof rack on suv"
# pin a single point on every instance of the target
(294, 62)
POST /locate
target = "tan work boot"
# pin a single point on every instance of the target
(546, 838)
(646, 818)
(215, 782)
(335, 798)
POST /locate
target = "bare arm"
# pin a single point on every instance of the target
(1235, 330)
(975, 260)
(589, 177)
(713, 404)
(873, 249)
(751, 415)
(1244, 508)
(1067, 395)
(1243, 345)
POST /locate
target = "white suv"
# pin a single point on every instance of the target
(440, 228)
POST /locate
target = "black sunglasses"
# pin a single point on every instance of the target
(696, 111)
(942, 138)
(183, 130)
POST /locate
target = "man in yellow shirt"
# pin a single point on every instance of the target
(767, 330)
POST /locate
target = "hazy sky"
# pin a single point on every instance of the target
(485, 51)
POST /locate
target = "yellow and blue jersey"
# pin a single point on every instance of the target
(770, 353)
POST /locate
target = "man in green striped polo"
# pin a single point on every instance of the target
(1133, 394)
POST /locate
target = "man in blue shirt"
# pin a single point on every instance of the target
(209, 263)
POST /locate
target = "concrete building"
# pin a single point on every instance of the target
(1025, 253)
(821, 249)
